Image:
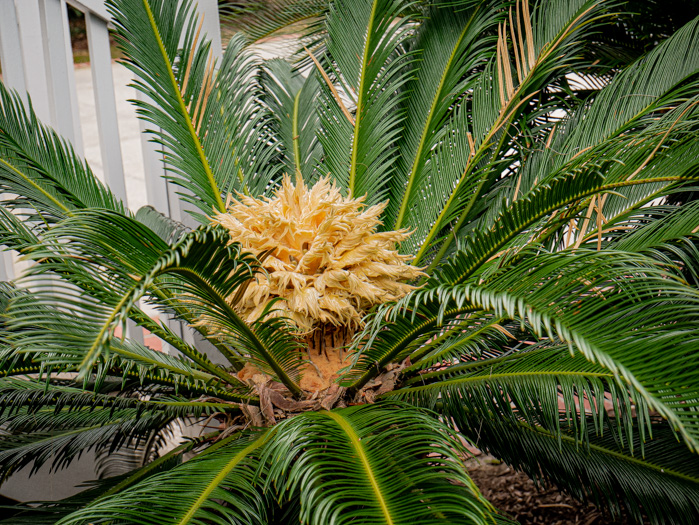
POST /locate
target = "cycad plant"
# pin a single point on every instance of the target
(450, 225)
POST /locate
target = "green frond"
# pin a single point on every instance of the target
(38, 418)
(88, 321)
(662, 482)
(379, 464)
(667, 235)
(391, 335)
(237, 130)
(607, 168)
(18, 234)
(502, 94)
(532, 386)
(219, 485)
(41, 176)
(617, 309)
(44, 436)
(291, 100)
(128, 361)
(173, 70)
(653, 84)
(168, 229)
(129, 357)
(34, 395)
(259, 20)
(471, 337)
(187, 350)
(50, 512)
(365, 49)
(198, 274)
(452, 49)
(187, 97)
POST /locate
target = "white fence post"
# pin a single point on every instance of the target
(14, 78)
(105, 103)
(62, 93)
(7, 270)
(33, 56)
(212, 25)
(10, 47)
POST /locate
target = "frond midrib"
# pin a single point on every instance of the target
(360, 99)
(612, 453)
(425, 130)
(218, 479)
(183, 109)
(361, 454)
(53, 199)
(507, 375)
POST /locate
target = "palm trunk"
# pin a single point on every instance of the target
(325, 347)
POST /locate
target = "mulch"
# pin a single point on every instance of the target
(517, 496)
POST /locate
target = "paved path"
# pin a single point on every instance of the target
(129, 131)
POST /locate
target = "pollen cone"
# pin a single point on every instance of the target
(327, 262)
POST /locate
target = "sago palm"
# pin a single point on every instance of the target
(451, 225)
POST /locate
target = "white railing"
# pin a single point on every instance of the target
(37, 58)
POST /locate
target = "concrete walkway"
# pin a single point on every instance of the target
(129, 130)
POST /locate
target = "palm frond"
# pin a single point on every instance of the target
(160, 40)
(461, 339)
(669, 237)
(39, 418)
(216, 485)
(236, 129)
(25, 397)
(15, 233)
(127, 357)
(108, 241)
(50, 512)
(372, 67)
(129, 361)
(544, 386)
(623, 162)
(259, 20)
(201, 122)
(452, 49)
(662, 482)
(501, 95)
(62, 439)
(651, 85)
(376, 463)
(168, 229)
(40, 174)
(618, 309)
(291, 100)
(207, 270)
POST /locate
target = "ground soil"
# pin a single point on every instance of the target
(516, 495)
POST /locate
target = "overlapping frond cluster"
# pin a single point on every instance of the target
(327, 261)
